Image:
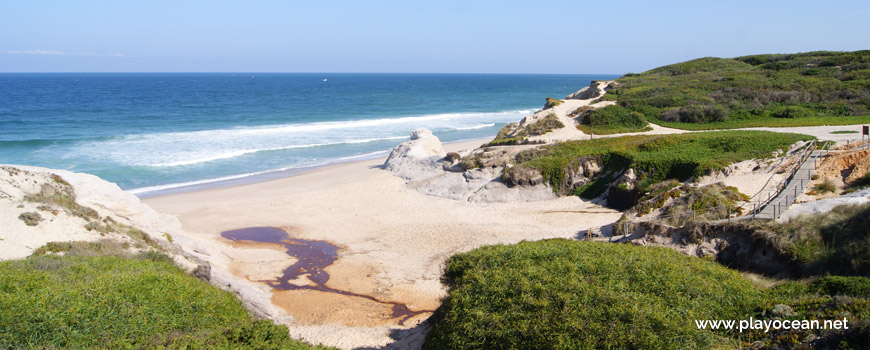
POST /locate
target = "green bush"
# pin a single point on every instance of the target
(861, 182)
(612, 120)
(842, 285)
(562, 294)
(552, 102)
(711, 202)
(792, 112)
(112, 302)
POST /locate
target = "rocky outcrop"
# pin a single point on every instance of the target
(425, 167)
(417, 159)
(594, 90)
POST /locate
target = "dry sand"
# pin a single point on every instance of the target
(395, 242)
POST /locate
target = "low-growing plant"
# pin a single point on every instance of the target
(612, 120)
(552, 102)
(792, 112)
(861, 182)
(562, 294)
(112, 302)
(30, 218)
(542, 126)
(711, 202)
(826, 186)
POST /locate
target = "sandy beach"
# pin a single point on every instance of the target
(394, 242)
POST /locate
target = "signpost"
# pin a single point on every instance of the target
(866, 133)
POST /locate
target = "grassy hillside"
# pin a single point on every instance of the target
(116, 302)
(814, 88)
(654, 157)
(563, 294)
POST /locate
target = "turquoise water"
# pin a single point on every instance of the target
(160, 131)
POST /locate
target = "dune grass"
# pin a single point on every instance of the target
(837, 242)
(114, 302)
(564, 294)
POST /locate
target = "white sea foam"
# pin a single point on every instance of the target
(159, 188)
(316, 140)
(475, 127)
(238, 153)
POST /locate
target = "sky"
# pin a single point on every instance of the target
(413, 36)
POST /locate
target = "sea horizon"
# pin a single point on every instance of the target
(167, 131)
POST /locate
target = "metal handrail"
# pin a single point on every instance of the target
(782, 185)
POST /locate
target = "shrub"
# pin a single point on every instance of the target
(552, 102)
(825, 186)
(842, 285)
(542, 126)
(695, 114)
(711, 202)
(792, 112)
(861, 182)
(562, 294)
(611, 120)
(30, 218)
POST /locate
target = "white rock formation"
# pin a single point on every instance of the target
(57, 223)
(421, 163)
(418, 159)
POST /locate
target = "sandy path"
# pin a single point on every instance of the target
(395, 240)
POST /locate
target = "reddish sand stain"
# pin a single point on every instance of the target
(312, 257)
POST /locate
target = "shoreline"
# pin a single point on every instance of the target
(277, 174)
(393, 243)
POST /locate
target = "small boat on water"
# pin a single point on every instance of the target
(324, 79)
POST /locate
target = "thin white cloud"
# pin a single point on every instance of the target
(59, 53)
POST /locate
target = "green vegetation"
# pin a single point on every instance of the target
(612, 120)
(814, 88)
(712, 202)
(657, 195)
(552, 102)
(837, 242)
(30, 218)
(543, 126)
(520, 135)
(861, 182)
(655, 158)
(115, 302)
(563, 294)
(63, 196)
(825, 186)
(844, 132)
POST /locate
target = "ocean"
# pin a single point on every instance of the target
(164, 132)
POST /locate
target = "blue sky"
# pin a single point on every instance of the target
(412, 36)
